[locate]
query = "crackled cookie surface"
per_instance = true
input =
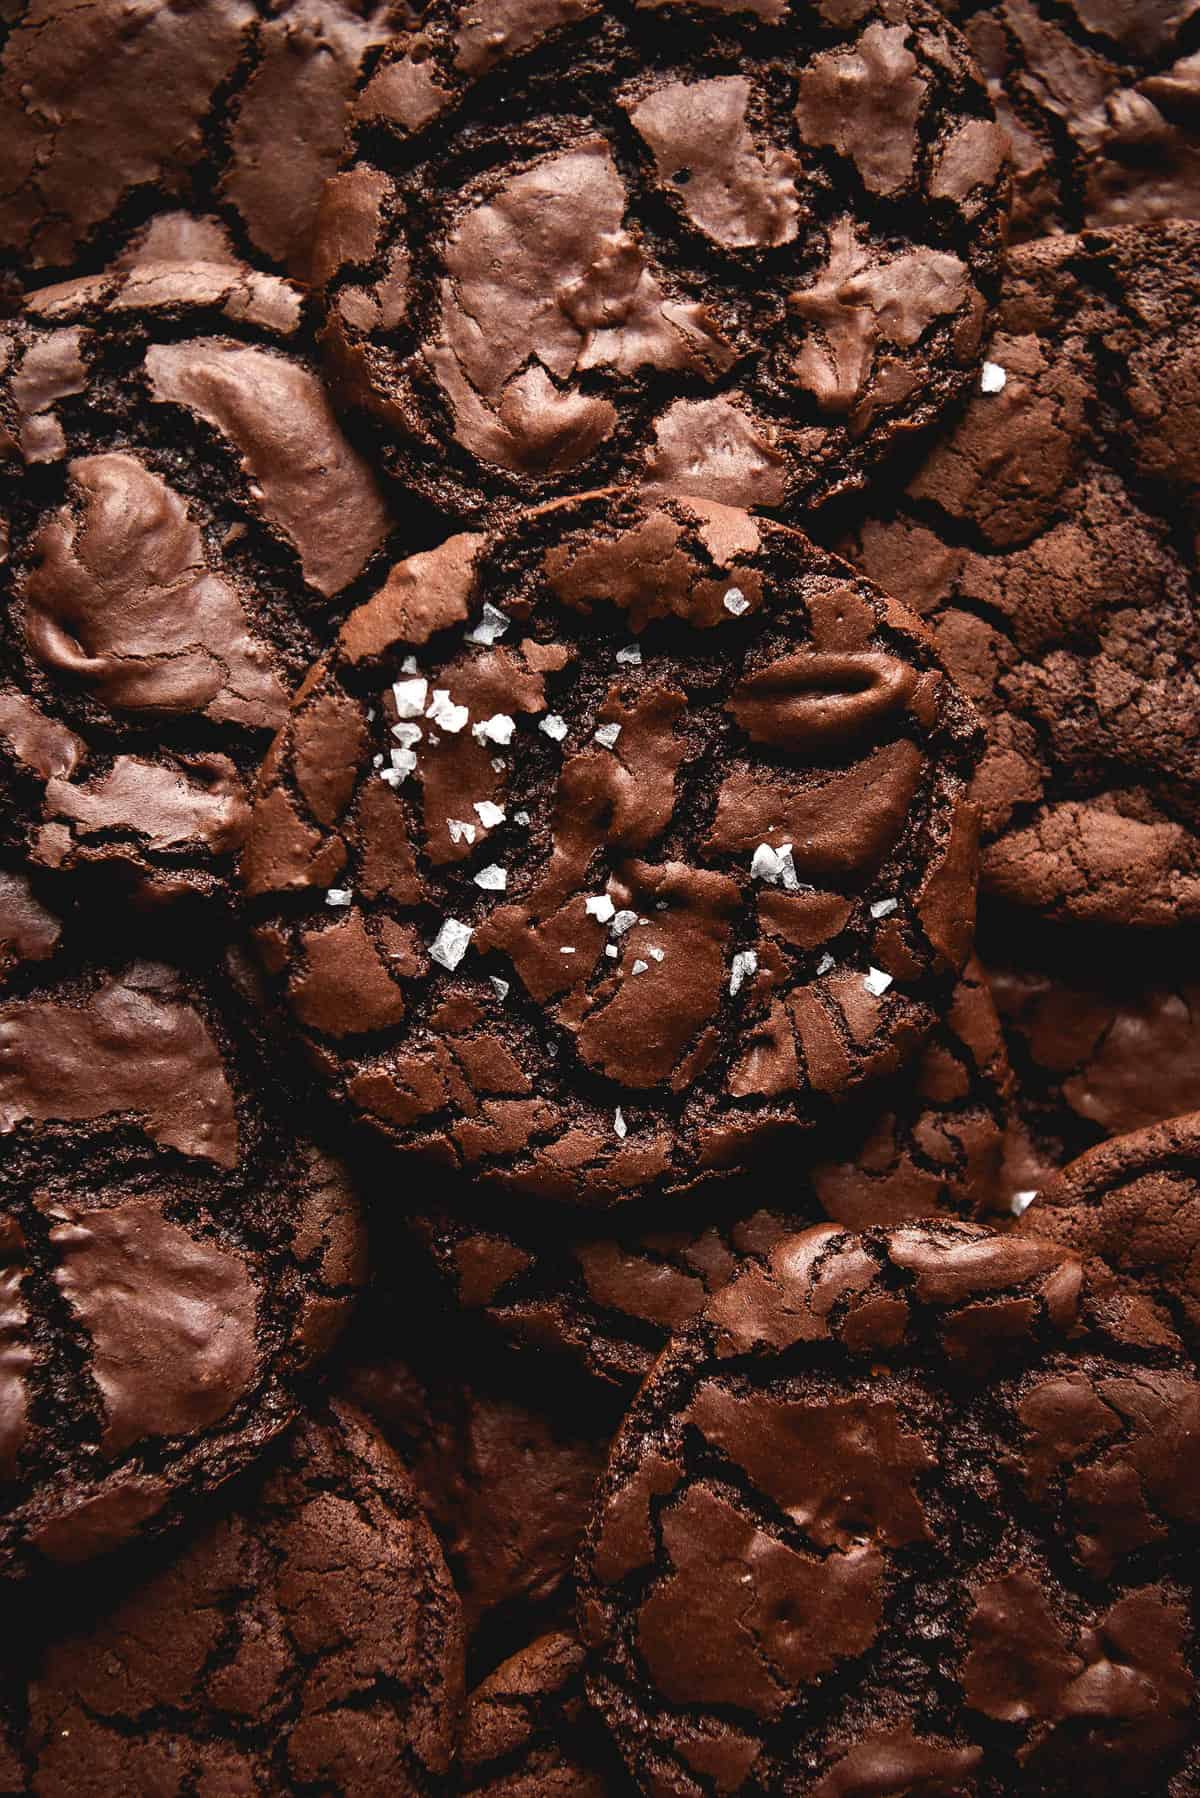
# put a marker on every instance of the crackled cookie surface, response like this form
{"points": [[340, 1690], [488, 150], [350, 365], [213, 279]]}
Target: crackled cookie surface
{"points": [[606, 849], [726, 248], [611, 1294], [528, 1731], [308, 1639], [174, 1256], [1044, 541], [902, 1513], [108, 112], [182, 509]]}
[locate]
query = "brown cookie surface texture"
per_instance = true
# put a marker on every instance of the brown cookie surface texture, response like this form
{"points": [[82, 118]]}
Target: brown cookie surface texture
{"points": [[902, 1513], [731, 247], [607, 849]]}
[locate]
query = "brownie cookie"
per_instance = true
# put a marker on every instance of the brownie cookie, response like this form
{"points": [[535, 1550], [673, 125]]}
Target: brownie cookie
{"points": [[1131, 1209], [902, 1513], [607, 849], [174, 1257], [183, 512], [1045, 540], [729, 246], [307, 1639], [932, 1141], [1101, 99], [528, 1731], [108, 112]]}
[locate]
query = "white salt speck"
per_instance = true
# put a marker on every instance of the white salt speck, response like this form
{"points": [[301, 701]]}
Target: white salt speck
{"points": [[601, 907], [619, 1124], [876, 982], [774, 866], [409, 665], [657, 953], [493, 878], [460, 830], [338, 896], [370, 714], [491, 626], [553, 726], [498, 764], [824, 965], [490, 814], [408, 734], [639, 967], [496, 729], [521, 818], [883, 908], [390, 776], [450, 944], [377, 761], [567, 949], [607, 735], [660, 905], [410, 697], [745, 962], [501, 986], [1021, 1201], [403, 763], [611, 950], [735, 601], [632, 657], [992, 378], [623, 921], [443, 712]]}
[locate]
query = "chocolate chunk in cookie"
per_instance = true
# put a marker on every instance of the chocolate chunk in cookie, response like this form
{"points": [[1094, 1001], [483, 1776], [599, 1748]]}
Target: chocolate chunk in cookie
{"points": [[902, 1512], [183, 511], [611, 848], [1041, 541], [742, 251]]}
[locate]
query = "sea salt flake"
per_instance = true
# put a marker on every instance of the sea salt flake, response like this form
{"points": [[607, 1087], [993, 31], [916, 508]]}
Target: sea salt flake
{"points": [[824, 965], [501, 986], [460, 830], [600, 907], [377, 761], [404, 762], [498, 728], [490, 814], [408, 734], [639, 967], [876, 982], [657, 953], [992, 378], [619, 1124], [606, 735], [883, 908], [411, 697], [775, 867], [567, 949], [493, 878], [391, 777], [491, 626], [498, 764], [745, 962], [553, 726], [735, 601], [443, 712], [450, 944], [623, 921], [339, 896], [611, 950], [632, 657], [521, 818], [1021, 1201], [409, 665]]}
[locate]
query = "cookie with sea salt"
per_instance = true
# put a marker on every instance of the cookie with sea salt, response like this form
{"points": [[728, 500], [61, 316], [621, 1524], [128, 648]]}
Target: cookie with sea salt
{"points": [[174, 1256], [904, 1513], [614, 847], [1045, 540], [183, 512], [720, 245], [610, 1293]]}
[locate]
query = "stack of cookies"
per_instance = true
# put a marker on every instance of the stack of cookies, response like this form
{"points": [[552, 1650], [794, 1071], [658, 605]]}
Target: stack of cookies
{"points": [[599, 886]]}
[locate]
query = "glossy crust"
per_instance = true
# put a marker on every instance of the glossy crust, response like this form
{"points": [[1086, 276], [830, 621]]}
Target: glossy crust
{"points": [[1041, 540], [520, 858], [902, 1513], [182, 510], [528, 1731], [741, 250], [175, 1257]]}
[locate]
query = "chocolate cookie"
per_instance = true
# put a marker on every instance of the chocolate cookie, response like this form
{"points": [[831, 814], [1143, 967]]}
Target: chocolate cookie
{"points": [[183, 512], [307, 1639], [932, 1141], [174, 1257], [1100, 99], [1044, 541], [528, 1731], [722, 245], [902, 1514], [108, 111], [615, 846]]}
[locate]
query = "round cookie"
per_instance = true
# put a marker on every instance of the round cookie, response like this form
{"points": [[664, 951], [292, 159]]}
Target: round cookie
{"points": [[899, 1514], [308, 1638], [108, 112], [611, 1296], [175, 1257], [1042, 540], [1099, 98], [528, 1731], [610, 848], [717, 245], [183, 511]]}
